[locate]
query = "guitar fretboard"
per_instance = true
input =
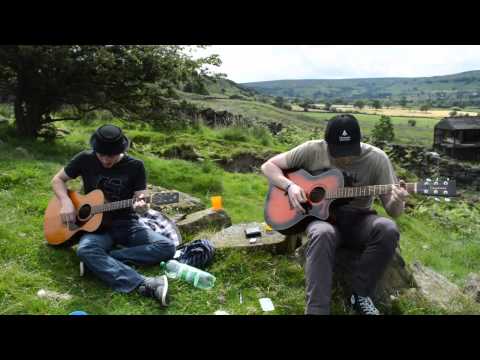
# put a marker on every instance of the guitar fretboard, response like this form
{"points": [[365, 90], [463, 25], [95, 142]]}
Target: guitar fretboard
{"points": [[361, 191], [116, 205]]}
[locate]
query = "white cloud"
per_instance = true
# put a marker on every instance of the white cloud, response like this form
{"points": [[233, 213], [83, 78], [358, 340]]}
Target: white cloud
{"points": [[246, 63]]}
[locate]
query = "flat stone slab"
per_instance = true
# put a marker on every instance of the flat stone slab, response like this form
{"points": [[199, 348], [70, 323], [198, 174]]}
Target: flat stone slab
{"points": [[207, 219], [234, 237]]}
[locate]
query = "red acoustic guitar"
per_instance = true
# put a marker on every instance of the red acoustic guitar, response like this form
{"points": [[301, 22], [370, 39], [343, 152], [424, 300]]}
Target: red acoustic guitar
{"points": [[89, 210], [322, 189]]}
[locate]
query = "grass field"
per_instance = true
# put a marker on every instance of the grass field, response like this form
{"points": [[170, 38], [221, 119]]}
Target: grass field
{"points": [[27, 264], [403, 112]]}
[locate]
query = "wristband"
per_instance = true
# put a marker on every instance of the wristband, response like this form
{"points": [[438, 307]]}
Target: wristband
{"points": [[288, 186]]}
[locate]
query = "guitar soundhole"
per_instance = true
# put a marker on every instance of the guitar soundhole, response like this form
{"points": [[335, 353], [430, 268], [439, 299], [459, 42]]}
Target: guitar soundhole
{"points": [[317, 194], [84, 212]]}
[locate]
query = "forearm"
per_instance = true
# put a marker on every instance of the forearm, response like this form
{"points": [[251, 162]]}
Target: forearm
{"points": [[275, 175], [60, 189]]}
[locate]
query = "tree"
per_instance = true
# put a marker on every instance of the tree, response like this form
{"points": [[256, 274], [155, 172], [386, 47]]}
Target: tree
{"points": [[376, 104], [279, 102], [359, 104], [403, 101], [125, 79], [327, 106], [425, 107], [383, 129]]}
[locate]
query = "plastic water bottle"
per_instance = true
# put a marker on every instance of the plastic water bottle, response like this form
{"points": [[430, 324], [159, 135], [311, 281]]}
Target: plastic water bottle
{"points": [[198, 278]]}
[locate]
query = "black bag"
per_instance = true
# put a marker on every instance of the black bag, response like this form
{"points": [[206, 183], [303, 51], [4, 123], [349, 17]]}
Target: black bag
{"points": [[198, 253]]}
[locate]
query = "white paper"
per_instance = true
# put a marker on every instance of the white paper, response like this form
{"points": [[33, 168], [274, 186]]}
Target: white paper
{"points": [[266, 304]]}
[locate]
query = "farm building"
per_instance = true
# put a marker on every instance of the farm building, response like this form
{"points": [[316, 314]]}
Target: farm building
{"points": [[458, 137]]}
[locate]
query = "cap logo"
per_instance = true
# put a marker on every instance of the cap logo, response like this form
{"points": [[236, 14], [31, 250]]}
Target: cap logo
{"points": [[344, 137]]}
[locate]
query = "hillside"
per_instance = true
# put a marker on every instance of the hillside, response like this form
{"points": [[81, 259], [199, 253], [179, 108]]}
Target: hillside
{"points": [[28, 264], [450, 90]]}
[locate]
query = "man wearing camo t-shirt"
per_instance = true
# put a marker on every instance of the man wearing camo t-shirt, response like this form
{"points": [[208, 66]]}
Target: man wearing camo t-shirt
{"points": [[356, 225]]}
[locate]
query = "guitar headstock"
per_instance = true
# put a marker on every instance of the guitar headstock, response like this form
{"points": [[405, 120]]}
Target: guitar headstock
{"points": [[437, 187], [163, 198]]}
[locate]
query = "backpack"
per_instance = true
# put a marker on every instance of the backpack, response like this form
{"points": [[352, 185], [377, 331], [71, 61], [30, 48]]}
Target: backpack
{"points": [[197, 253]]}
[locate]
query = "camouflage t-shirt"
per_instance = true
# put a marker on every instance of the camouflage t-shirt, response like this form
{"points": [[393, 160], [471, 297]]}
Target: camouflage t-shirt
{"points": [[372, 167]]}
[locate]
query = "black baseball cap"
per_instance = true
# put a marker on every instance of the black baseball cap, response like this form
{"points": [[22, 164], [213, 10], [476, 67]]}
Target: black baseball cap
{"points": [[109, 140], [343, 136]]}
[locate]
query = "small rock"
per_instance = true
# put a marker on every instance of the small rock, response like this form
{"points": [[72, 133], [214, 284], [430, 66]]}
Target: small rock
{"points": [[53, 295], [22, 151], [221, 298], [221, 312], [472, 286]]}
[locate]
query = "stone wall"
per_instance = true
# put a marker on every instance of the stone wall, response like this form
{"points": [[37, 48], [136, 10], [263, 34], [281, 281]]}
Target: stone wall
{"points": [[425, 163]]}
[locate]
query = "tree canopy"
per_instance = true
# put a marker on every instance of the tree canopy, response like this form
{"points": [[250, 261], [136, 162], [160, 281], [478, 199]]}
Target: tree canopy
{"points": [[125, 79]]}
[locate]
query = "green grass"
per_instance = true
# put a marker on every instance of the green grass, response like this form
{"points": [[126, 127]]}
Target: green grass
{"points": [[420, 134], [27, 264]]}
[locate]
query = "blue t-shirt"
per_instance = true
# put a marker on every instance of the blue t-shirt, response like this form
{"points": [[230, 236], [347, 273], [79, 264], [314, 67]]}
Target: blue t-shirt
{"points": [[119, 182]]}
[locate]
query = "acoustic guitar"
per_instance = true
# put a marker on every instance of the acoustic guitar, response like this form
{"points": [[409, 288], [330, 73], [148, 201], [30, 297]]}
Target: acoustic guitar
{"points": [[323, 189], [89, 213]]}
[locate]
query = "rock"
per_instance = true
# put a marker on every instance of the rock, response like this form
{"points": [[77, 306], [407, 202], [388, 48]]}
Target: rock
{"points": [[187, 204], [182, 151], [221, 312], [22, 151], [234, 237], [243, 162], [472, 286], [437, 289], [397, 276], [53, 295], [208, 219]]}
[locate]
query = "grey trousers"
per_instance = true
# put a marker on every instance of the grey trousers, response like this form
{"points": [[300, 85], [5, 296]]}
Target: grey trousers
{"points": [[376, 237]]}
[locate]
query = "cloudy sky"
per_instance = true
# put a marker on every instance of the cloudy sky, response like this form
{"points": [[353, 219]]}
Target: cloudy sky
{"points": [[247, 63]]}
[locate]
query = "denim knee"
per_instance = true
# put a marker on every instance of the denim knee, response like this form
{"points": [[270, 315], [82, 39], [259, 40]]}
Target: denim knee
{"points": [[87, 246]]}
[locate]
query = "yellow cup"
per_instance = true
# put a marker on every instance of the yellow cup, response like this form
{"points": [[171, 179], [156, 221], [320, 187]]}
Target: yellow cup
{"points": [[216, 202]]}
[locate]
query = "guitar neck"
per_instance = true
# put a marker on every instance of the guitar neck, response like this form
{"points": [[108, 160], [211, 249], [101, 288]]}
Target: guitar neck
{"points": [[117, 205], [371, 190]]}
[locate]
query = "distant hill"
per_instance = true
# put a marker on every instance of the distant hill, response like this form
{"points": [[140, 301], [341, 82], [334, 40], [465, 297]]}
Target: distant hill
{"points": [[461, 89]]}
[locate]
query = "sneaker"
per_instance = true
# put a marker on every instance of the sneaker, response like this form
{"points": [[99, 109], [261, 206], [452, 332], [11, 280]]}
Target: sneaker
{"points": [[157, 288], [363, 305]]}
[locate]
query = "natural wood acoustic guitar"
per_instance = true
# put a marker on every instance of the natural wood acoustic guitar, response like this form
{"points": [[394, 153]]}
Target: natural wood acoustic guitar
{"points": [[89, 213]]}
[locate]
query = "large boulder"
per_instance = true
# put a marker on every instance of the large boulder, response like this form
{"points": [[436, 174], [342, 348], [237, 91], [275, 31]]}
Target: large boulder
{"points": [[437, 289], [397, 276]]}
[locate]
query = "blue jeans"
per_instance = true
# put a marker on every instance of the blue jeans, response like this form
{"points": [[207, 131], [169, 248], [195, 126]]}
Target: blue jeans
{"points": [[142, 246]]}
